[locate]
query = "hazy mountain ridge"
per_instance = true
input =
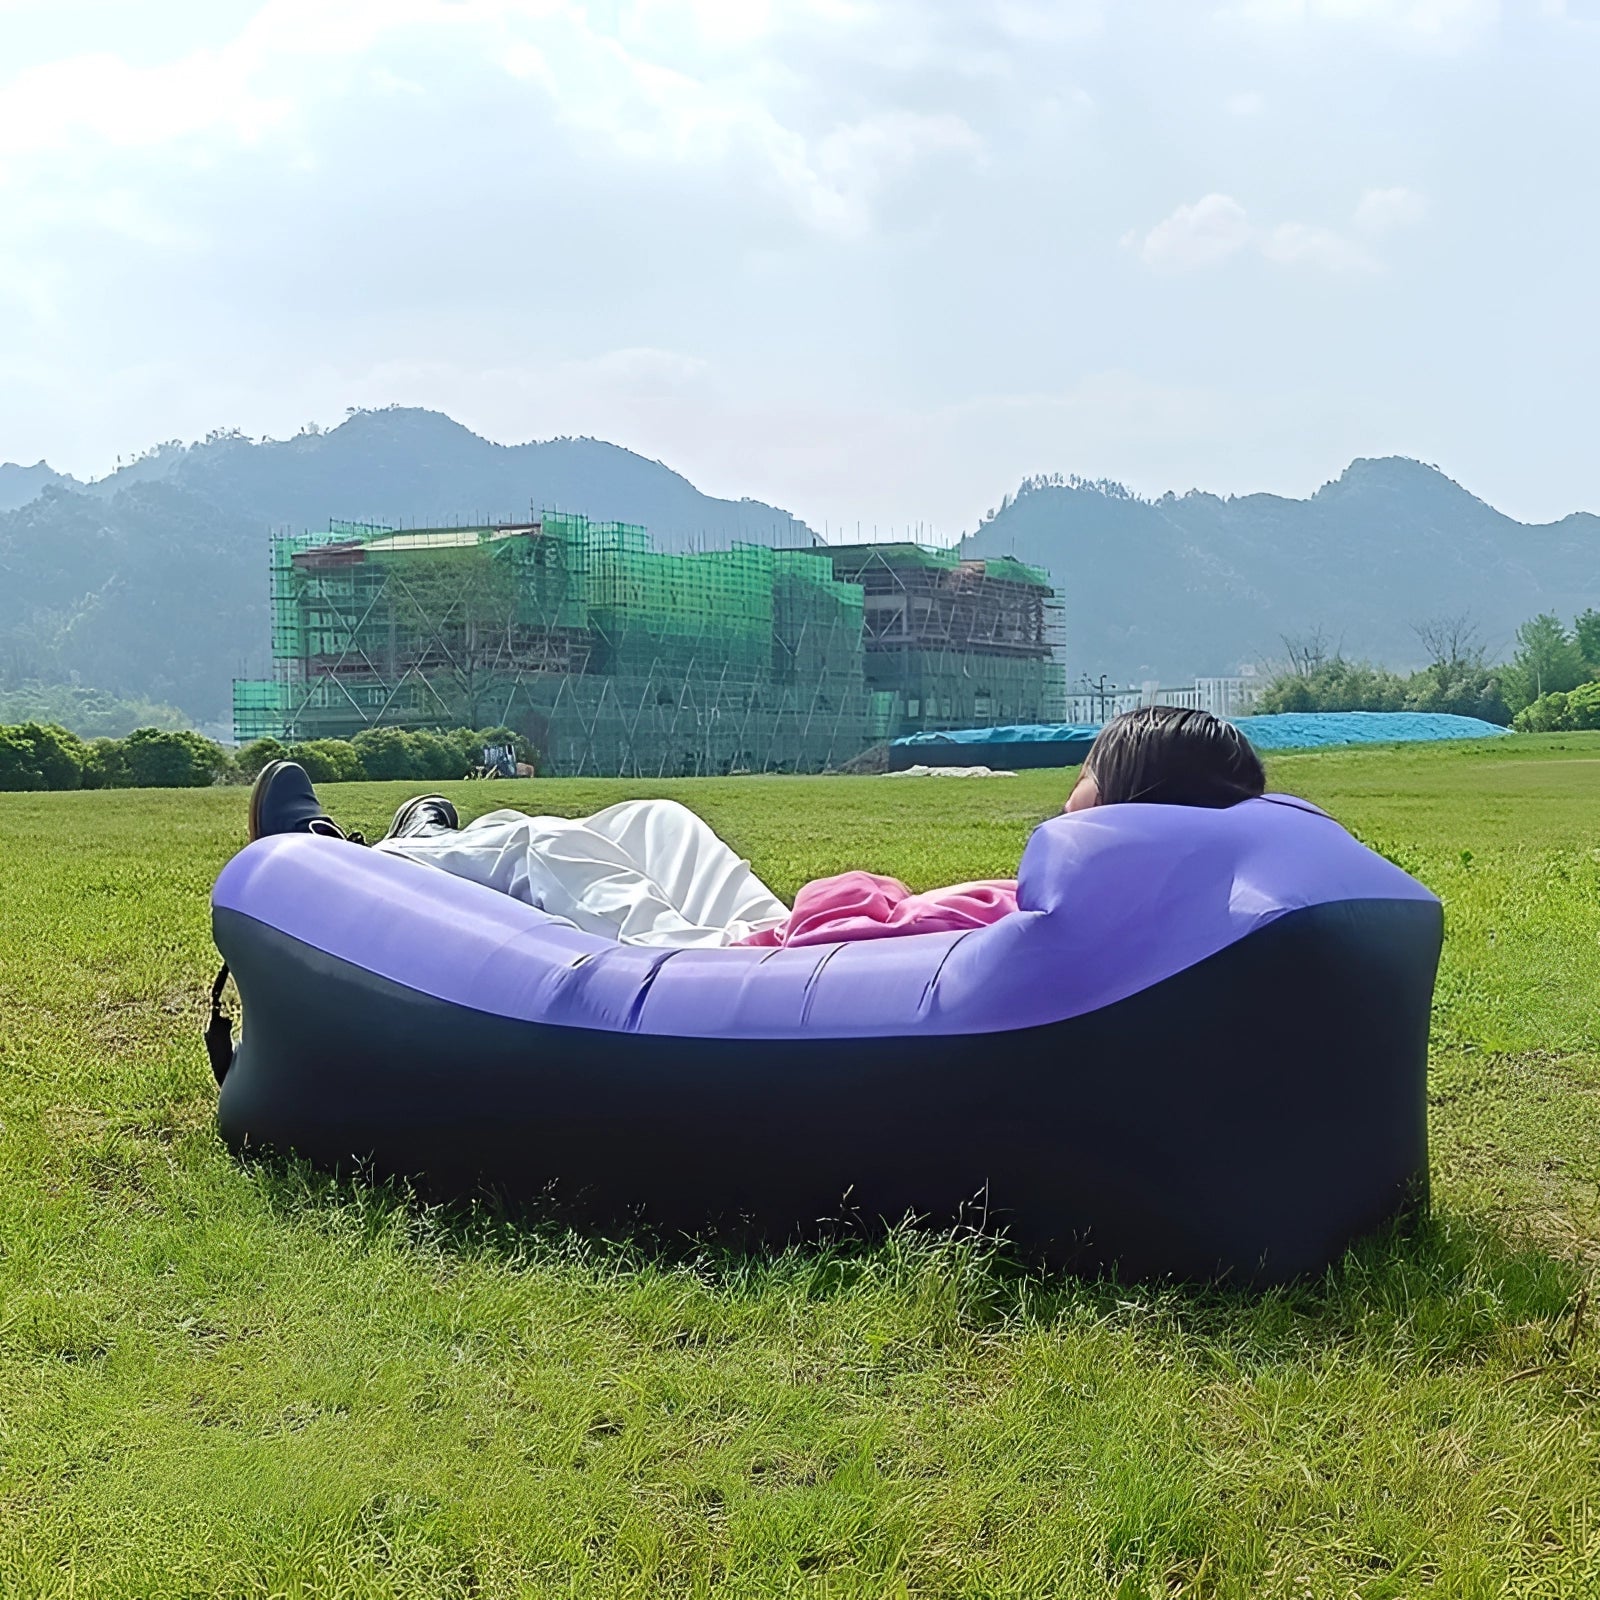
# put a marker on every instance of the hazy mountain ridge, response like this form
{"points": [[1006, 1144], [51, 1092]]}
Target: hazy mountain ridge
{"points": [[153, 593], [153, 581], [1199, 583], [403, 464], [19, 485]]}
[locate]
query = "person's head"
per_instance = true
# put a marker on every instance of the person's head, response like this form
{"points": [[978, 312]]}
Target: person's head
{"points": [[1162, 755]]}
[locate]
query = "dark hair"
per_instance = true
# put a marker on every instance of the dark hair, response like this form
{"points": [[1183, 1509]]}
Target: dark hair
{"points": [[1163, 755]]}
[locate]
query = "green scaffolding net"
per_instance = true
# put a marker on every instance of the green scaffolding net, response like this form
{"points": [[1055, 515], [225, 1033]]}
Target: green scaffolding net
{"points": [[611, 657]]}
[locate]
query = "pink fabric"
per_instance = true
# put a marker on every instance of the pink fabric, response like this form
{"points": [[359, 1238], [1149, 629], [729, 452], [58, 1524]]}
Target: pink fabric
{"points": [[861, 905]]}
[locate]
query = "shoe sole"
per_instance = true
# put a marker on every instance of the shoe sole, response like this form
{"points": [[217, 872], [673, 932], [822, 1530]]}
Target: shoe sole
{"points": [[404, 815]]}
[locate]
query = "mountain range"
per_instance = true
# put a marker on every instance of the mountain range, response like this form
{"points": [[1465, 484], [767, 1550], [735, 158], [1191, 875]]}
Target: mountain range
{"points": [[152, 581], [1201, 584]]}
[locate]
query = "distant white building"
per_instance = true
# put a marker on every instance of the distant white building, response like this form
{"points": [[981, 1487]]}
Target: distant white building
{"points": [[1222, 697]]}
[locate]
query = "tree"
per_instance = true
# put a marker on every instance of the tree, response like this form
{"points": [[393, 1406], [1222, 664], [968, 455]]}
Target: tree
{"points": [[88, 713], [1456, 679], [1586, 635], [1308, 653], [1547, 661], [1451, 642]]}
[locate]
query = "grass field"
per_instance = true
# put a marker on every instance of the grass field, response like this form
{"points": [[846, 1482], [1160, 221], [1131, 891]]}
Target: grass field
{"points": [[231, 1382]]}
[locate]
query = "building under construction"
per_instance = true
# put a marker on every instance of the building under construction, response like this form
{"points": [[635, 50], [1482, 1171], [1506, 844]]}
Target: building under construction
{"points": [[612, 658], [958, 644]]}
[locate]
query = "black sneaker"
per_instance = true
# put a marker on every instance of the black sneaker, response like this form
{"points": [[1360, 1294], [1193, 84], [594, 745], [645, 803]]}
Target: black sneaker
{"points": [[423, 814], [283, 801]]}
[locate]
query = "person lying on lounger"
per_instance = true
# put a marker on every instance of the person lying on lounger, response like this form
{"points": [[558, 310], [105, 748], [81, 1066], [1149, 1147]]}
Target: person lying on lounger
{"points": [[651, 872]]}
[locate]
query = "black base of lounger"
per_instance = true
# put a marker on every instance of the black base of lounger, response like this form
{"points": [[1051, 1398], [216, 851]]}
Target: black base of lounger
{"points": [[1245, 1119]]}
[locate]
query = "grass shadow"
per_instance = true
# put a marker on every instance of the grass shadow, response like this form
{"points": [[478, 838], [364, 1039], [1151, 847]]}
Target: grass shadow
{"points": [[1433, 1288]]}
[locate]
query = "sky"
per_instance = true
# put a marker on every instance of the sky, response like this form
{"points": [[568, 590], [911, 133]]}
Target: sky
{"points": [[872, 260]]}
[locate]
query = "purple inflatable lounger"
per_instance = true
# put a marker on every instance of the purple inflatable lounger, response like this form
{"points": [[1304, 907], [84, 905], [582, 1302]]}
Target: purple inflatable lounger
{"points": [[1198, 1050]]}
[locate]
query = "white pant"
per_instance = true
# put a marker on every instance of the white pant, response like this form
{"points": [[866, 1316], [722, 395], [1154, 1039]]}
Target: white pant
{"points": [[643, 872]]}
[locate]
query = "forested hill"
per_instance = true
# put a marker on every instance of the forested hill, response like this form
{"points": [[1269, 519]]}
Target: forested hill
{"points": [[420, 468], [152, 582], [1196, 583]]}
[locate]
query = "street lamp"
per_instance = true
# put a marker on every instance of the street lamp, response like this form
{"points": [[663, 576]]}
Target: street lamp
{"points": [[1096, 689]]}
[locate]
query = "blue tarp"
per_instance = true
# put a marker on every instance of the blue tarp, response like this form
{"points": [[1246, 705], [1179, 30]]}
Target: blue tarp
{"points": [[1021, 733], [1300, 730], [1297, 730]]}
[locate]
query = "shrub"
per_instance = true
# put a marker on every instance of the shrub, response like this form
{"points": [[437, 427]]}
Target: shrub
{"points": [[41, 755], [1562, 711], [387, 753], [438, 757], [161, 759], [247, 764], [37, 755], [329, 760], [61, 754], [1336, 685], [470, 744], [1544, 715], [1469, 690], [425, 754], [1463, 686], [1583, 706], [105, 765], [18, 768]]}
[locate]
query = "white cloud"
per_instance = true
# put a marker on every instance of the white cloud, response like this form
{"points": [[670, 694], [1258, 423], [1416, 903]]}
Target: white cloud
{"points": [[1217, 228], [1294, 244], [101, 99], [1384, 210], [642, 370], [1446, 24], [1049, 21], [782, 243], [1211, 230], [863, 154], [635, 90]]}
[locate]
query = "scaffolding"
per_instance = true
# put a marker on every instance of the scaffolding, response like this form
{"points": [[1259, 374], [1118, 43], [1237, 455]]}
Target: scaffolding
{"points": [[608, 656], [951, 643], [612, 658]]}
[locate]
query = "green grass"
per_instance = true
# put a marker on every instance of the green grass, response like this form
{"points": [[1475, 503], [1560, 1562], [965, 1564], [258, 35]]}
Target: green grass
{"points": [[236, 1382]]}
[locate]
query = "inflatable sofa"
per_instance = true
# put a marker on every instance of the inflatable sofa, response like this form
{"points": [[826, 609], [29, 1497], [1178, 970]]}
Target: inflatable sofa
{"points": [[1198, 1050]]}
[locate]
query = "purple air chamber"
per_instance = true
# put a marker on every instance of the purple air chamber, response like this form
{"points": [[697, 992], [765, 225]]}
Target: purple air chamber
{"points": [[1197, 1050]]}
